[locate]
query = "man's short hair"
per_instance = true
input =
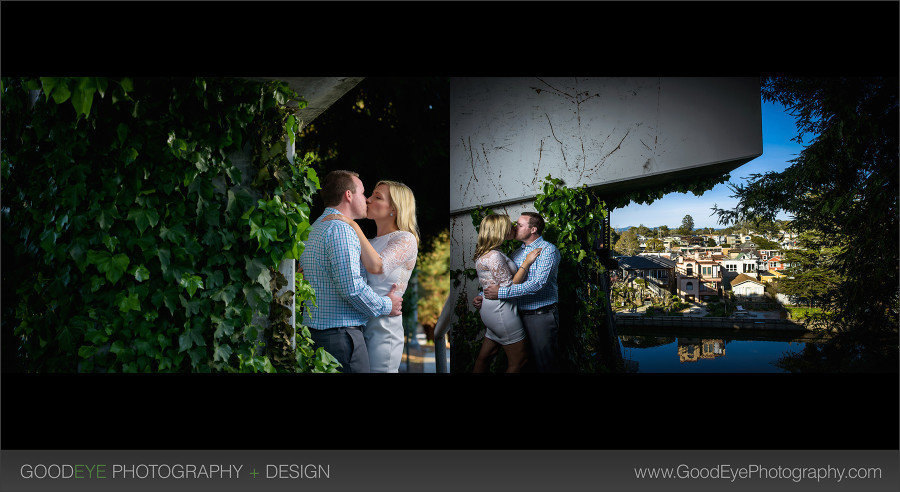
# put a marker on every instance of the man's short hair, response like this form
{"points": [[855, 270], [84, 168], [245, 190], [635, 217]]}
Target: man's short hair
{"points": [[535, 220], [335, 184]]}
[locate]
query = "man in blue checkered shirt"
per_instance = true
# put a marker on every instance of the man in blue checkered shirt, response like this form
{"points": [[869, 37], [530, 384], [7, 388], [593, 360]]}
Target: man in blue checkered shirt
{"points": [[536, 298], [331, 262]]}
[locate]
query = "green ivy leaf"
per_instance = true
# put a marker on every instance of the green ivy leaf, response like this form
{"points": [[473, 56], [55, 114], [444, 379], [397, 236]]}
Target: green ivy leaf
{"points": [[107, 217], [143, 347], [256, 270], [175, 234], [165, 257], [215, 279], [263, 234], [130, 303], [113, 266], [190, 338], [59, 89], [97, 337], [163, 341], [96, 283], [141, 273], [130, 155], [110, 242], [78, 253], [87, 351], [83, 96], [123, 353], [143, 218], [226, 294], [222, 352], [235, 175], [67, 337], [48, 239], [324, 360], [122, 132], [48, 84], [191, 283], [257, 297], [100, 84], [290, 128]]}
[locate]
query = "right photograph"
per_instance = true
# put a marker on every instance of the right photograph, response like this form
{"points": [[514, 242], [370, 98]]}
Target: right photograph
{"points": [[662, 225]]}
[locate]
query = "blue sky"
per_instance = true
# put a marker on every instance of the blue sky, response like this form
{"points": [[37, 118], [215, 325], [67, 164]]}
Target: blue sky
{"points": [[778, 130]]}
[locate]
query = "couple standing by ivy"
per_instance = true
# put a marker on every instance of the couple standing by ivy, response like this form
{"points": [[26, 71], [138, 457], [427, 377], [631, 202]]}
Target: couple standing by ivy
{"points": [[518, 303], [359, 283]]}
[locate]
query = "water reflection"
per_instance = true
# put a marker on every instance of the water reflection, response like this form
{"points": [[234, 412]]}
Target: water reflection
{"points": [[694, 349], [656, 350]]}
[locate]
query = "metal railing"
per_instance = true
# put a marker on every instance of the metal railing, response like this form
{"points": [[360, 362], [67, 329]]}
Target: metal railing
{"points": [[440, 332]]}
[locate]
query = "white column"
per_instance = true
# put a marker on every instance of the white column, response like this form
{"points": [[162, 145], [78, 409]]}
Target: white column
{"points": [[288, 268]]}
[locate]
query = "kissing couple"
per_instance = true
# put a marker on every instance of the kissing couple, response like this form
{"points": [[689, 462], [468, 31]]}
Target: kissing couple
{"points": [[359, 283]]}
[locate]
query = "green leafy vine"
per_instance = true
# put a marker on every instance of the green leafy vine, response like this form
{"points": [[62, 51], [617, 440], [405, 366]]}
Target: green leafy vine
{"points": [[140, 243], [574, 218]]}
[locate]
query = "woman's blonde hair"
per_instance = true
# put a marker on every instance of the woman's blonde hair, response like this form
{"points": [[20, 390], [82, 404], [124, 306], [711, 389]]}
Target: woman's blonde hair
{"points": [[492, 233], [403, 200]]}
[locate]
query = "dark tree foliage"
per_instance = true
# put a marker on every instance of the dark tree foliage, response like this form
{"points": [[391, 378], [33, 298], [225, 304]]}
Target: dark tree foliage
{"points": [[811, 277], [390, 128], [842, 187], [764, 243]]}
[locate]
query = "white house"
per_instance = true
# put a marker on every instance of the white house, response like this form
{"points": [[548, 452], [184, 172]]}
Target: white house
{"points": [[744, 263], [744, 285]]}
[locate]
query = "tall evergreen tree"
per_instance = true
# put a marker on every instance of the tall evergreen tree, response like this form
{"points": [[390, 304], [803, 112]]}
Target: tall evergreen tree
{"points": [[687, 225], [842, 187]]}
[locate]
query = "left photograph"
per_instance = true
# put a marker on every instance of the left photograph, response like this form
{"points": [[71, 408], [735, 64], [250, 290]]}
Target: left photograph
{"points": [[231, 225]]}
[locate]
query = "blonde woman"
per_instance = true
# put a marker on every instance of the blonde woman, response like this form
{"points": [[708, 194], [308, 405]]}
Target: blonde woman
{"points": [[389, 258], [504, 328]]}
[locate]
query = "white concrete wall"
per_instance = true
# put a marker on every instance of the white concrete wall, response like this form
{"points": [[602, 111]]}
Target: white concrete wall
{"points": [[506, 134]]}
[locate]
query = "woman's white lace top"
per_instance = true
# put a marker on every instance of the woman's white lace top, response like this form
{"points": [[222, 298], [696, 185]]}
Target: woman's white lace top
{"points": [[495, 267], [398, 251]]}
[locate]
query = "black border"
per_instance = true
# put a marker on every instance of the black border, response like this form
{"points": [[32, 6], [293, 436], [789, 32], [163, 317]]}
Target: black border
{"points": [[450, 38], [450, 411]]}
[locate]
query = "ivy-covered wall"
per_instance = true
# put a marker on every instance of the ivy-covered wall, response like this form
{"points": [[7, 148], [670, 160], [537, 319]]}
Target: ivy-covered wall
{"points": [[133, 238]]}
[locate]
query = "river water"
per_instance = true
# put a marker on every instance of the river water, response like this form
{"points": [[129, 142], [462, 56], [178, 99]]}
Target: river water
{"points": [[681, 350]]}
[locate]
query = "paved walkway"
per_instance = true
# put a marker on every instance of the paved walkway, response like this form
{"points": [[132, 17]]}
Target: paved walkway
{"points": [[421, 357]]}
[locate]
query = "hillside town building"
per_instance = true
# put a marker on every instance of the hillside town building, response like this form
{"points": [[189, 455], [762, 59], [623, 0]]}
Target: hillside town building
{"points": [[698, 273]]}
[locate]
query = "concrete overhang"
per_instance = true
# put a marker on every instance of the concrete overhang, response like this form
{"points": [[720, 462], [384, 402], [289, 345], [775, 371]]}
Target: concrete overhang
{"points": [[700, 172], [318, 92], [614, 135]]}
